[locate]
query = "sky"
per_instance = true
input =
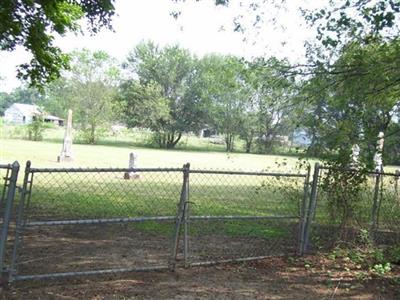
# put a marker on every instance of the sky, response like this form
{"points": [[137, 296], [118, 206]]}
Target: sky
{"points": [[202, 28]]}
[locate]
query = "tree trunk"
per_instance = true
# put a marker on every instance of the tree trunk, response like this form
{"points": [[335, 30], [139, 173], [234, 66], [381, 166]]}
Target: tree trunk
{"points": [[248, 146], [92, 137], [172, 141], [268, 147], [229, 142]]}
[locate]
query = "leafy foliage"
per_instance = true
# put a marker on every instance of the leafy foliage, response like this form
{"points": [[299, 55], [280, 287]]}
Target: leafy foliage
{"points": [[88, 89], [164, 98], [36, 128], [352, 102], [348, 20], [32, 25]]}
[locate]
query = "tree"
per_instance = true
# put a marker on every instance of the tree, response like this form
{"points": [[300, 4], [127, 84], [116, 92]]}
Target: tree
{"points": [[274, 95], [225, 89], [32, 25], [89, 89], [145, 106], [353, 107], [364, 21], [249, 128], [166, 86]]}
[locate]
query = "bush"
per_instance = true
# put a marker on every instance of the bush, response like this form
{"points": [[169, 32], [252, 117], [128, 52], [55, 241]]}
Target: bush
{"points": [[89, 136], [36, 128]]}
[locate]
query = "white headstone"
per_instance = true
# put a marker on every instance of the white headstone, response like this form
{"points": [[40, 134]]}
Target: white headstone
{"points": [[133, 158], [66, 151], [355, 155], [378, 154]]}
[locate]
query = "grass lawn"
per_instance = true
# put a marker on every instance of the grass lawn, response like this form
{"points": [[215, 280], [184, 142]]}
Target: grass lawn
{"points": [[91, 195], [44, 154]]}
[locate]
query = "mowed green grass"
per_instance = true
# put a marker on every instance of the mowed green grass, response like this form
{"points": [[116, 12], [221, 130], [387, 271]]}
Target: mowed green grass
{"points": [[44, 154], [58, 196], [105, 195]]}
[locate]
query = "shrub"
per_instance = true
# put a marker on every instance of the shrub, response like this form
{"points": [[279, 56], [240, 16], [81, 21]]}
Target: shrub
{"points": [[36, 128]]}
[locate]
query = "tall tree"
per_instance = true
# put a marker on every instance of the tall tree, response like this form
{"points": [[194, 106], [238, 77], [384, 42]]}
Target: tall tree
{"points": [[225, 89], [274, 94], [166, 80], [89, 89], [353, 107]]}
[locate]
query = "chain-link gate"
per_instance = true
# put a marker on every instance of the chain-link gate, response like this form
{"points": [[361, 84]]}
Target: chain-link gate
{"points": [[97, 221], [238, 216]]}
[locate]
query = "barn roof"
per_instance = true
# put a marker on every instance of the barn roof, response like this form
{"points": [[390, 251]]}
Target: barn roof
{"points": [[27, 109]]}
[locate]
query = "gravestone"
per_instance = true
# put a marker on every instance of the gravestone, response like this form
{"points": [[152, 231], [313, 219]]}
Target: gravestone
{"points": [[66, 151], [132, 165], [355, 155], [378, 154]]}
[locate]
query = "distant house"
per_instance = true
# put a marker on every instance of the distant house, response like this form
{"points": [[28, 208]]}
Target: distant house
{"points": [[19, 113], [301, 138], [207, 132]]}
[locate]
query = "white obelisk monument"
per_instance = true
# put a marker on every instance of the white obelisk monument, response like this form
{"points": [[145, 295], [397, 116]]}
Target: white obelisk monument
{"points": [[66, 152]]}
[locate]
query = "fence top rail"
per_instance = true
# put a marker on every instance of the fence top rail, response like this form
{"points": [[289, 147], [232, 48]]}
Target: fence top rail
{"points": [[271, 174], [5, 166], [102, 170], [358, 171], [111, 170]]}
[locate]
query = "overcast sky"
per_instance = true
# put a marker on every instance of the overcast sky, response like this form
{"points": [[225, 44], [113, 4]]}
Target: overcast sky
{"points": [[202, 28]]}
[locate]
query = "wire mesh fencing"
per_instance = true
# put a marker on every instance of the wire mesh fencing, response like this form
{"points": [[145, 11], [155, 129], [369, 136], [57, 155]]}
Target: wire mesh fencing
{"points": [[95, 221], [386, 225], [348, 214], [8, 185], [98, 221], [5, 173], [71, 221], [243, 215]]}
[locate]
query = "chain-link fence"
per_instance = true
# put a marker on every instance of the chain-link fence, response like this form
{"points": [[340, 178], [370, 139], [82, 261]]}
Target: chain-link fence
{"points": [[8, 184], [89, 221], [241, 216], [97, 221], [353, 205]]}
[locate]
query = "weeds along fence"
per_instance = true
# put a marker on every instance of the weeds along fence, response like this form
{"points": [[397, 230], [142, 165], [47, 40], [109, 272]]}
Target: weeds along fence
{"points": [[96, 221], [351, 214], [63, 222]]}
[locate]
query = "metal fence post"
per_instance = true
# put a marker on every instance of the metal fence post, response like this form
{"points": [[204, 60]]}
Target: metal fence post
{"points": [[186, 218], [303, 211], [311, 208], [180, 216], [4, 190], [9, 201], [19, 218], [396, 183], [375, 204]]}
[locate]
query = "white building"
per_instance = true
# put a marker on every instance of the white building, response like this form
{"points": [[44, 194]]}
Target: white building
{"points": [[19, 113]]}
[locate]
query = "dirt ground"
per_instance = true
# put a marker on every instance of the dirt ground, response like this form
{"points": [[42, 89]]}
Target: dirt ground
{"points": [[74, 248], [314, 277]]}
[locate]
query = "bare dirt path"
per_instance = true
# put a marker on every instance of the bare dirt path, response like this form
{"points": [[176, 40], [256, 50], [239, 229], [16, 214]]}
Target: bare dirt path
{"points": [[313, 277]]}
